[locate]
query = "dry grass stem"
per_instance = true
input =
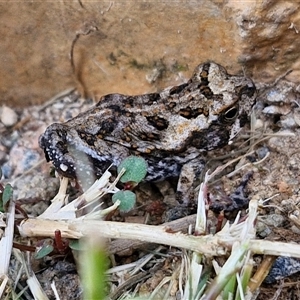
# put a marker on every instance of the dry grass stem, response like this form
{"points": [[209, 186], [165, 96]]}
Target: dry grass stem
{"points": [[32, 281], [60, 209], [147, 233], [7, 239], [6, 243], [209, 245], [261, 273], [120, 245]]}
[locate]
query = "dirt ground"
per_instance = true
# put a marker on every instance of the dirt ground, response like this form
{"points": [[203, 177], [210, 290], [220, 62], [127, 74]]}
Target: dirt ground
{"points": [[275, 182]]}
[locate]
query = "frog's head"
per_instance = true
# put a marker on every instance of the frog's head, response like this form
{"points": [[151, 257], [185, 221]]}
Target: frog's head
{"points": [[55, 146], [231, 97]]}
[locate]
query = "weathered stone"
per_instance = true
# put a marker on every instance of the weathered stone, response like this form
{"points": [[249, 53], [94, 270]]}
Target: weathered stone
{"points": [[137, 46], [8, 116]]}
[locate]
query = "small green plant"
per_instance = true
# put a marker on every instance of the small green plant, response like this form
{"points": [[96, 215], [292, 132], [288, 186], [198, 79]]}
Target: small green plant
{"points": [[58, 245], [135, 171], [6, 193], [127, 199]]}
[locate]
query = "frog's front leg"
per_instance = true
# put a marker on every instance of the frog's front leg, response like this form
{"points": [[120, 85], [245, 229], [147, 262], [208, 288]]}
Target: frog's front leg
{"points": [[185, 194]]}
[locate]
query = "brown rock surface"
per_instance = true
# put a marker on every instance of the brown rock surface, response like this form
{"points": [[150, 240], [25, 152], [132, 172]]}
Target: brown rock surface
{"points": [[135, 46]]}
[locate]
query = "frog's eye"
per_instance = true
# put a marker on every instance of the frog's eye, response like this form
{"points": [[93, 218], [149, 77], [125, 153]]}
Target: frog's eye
{"points": [[231, 113], [248, 90]]}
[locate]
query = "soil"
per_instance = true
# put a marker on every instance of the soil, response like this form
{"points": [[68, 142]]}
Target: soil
{"points": [[274, 165]]}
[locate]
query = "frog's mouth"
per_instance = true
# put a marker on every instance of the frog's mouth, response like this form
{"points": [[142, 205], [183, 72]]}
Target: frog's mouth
{"points": [[55, 146], [66, 159]]}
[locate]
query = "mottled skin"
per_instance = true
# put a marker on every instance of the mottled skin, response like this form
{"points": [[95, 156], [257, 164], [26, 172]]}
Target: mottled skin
{"points": [[170, 129]]}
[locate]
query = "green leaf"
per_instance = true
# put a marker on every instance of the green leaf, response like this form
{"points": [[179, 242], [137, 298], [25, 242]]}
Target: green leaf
{"points": [[45, 249], [127, 199], [136, 169], [7, 194], [76, 245], [0, 173]]}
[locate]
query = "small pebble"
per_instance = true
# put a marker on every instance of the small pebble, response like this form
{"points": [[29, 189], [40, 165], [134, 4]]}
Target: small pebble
{"points": [[277, 110], [262, 152], [8, 116]]}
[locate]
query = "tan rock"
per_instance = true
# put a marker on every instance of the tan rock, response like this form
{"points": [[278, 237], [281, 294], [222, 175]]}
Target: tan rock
{"points": [[8, 116], [138, 46]]}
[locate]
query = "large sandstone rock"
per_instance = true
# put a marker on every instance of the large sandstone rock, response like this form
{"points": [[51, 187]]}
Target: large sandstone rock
{"points": [[139, 46]]}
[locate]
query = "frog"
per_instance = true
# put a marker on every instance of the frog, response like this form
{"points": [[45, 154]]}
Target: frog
{"points": [[172, 129]]}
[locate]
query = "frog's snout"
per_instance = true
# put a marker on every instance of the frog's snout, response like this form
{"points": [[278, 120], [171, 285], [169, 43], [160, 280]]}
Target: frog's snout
{"points": [[54, 143]]}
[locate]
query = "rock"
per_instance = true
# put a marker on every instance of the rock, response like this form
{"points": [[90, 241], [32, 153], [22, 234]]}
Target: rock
{"points": [[8, 116], [136, 47]]}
